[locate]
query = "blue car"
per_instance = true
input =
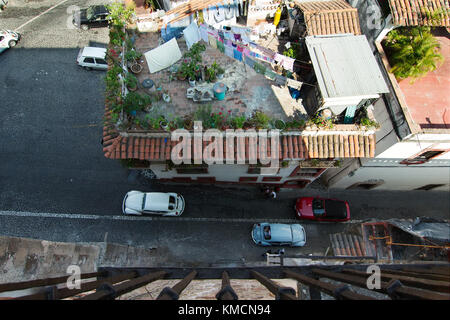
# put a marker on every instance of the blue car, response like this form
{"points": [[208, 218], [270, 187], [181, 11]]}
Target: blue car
{"points": [[277, 234]]}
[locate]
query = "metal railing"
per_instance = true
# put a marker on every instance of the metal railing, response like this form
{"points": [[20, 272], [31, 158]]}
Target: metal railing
{"points": [[343, 282]]}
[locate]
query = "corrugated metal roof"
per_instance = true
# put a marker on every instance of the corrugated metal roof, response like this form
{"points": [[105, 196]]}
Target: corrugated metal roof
{"points": [[345, 66]]}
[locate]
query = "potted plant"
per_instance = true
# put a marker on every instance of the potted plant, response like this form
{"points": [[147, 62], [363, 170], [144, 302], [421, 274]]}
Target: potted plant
{"points": [[191, 77], [280, 124], [131, 82], [165, 96], [220, 72], [188, 124], [164, 124], [210, 74]]}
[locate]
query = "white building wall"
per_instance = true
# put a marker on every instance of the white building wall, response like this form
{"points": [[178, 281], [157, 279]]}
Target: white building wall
{"points": [[399, 178], [386, 168], [226, 173]]}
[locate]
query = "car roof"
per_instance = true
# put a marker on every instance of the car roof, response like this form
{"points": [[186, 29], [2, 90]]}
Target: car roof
{"points": [[95, 52], [280, 232], [157, 201], [99, 9]]}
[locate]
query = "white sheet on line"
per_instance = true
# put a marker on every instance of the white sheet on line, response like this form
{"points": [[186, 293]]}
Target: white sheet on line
{"points": [[191, 34], [163, 56]]}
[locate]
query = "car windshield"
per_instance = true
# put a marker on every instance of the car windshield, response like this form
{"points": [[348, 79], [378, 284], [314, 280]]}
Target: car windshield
{"points": [[318, 207], [90, 13], [172, 202], [143, 201]]}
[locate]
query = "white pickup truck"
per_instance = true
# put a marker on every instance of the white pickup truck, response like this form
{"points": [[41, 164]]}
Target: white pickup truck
{"points": [[8, 39]]}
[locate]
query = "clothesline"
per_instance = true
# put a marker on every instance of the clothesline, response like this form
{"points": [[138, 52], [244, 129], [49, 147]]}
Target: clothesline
{"points": [[222, 40]]}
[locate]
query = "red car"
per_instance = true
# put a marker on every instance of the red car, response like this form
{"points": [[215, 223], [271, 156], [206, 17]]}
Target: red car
{"points": [[320, 209]]}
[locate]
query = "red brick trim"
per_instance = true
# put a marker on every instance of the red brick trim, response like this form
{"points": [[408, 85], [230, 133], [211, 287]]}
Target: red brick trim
{"points": [[180, 179], [206, 179]]}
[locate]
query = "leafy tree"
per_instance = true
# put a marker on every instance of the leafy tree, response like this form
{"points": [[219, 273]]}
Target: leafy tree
{"points": [[413, 52]]}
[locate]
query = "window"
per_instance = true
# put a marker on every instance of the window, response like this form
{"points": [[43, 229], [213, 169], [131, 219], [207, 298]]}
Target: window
{"points": [[1, 38], [172, 202], [143, 201], [366, 185], [266, 232], [272, 179], [89, 60], [100, 61], [423, 157], [318, 207], [256, 168], [430, 187], [306, 172], [248, 179], [191, 168]]}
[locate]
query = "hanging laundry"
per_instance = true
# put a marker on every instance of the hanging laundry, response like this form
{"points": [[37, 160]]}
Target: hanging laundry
{"points": [[227, 35], [270, 74], [229, 51], [204, 33], [191, 34], [237, 36], [220, 46], [212, 41], [240, 48], [246, 52], [248, 61], [286, 62], [237, 55], [259, 68], [229, 43]]}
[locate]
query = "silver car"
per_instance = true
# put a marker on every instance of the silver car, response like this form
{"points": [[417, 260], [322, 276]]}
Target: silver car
{"points": [[278, 234]]}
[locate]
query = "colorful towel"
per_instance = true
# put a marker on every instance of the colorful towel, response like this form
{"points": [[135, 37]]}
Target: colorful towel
{"points": [[220, 46], [237, 55], [248, 61], [229, 51]]}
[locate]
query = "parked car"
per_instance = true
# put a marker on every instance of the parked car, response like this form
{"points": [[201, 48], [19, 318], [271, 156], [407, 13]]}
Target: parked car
{"points": [[320, 209], [159, 203], [91, 17], [8, 39], [278, 234], [92, 58]]}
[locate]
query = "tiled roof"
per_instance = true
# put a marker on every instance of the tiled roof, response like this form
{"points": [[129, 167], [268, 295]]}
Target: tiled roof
{"points": [[330, 17], [292, 147], [415, 12]]}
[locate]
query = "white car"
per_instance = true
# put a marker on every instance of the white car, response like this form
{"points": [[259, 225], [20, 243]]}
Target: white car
{"points": [[160, 203], [92, 58], [8, 39]]}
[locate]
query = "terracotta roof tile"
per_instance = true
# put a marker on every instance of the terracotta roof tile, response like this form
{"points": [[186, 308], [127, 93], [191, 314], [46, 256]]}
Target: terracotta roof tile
{"points": [[295, 147], [330, 17], [419, 12]]}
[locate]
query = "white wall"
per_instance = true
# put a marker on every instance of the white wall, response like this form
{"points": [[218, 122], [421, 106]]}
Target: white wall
{"points": [[386, 166], [227, 173], [399, 178]]}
